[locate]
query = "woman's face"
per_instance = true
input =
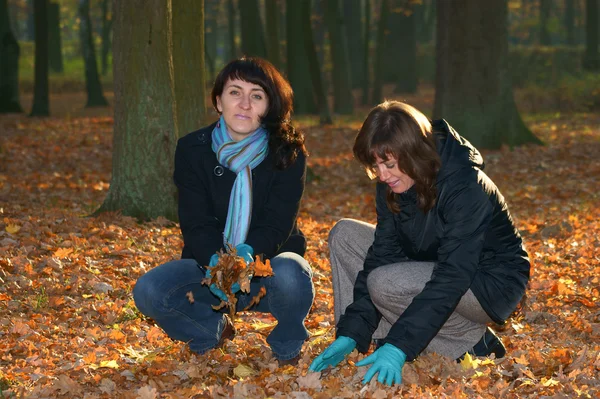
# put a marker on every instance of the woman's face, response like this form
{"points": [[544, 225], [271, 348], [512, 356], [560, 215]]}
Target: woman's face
{"points": [[388, 172], [242, 105]]}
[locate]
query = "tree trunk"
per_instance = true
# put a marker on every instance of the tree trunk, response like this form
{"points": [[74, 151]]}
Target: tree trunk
{"points": [[425, 20], [298, 69], [570, 21], [231, 12], [95, 97], [366, 54], [343, 101], [354, 32], [406, 46], [54, 38], [272, 23], [30, 24], [545, 7], [40, 90], [106, 33], [188, 43], [473, 87], [210, 35], [313, 64], [9, 64], [253, 39], [145, 127], [591, 57], [379, 69]]}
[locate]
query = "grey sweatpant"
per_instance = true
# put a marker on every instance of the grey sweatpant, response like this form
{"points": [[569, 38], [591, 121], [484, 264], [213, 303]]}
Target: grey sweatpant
{"points": [[393, 287]]}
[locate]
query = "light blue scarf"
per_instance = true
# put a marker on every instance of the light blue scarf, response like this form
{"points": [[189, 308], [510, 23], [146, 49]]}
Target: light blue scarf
{"points": [[240, 157]]}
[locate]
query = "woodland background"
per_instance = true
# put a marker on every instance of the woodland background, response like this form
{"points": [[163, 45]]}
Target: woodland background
{"points": [[93, 92]]}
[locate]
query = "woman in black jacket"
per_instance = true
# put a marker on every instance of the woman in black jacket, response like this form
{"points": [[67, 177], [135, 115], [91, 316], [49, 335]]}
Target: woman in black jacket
{"points": [[443, 260], [240, 182]]}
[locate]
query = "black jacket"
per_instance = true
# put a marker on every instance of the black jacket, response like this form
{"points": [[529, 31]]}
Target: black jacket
{"points": [[204, 188], [469, 233]]}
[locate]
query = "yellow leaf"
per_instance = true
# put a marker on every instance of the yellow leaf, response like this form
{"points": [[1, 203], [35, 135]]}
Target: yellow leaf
{"points": [[243, 371], [110, 364], [12, 228], [469, 362]]}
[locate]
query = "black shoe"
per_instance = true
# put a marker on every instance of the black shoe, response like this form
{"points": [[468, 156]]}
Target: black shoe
{"points": [[488, 344], [228, 332]]}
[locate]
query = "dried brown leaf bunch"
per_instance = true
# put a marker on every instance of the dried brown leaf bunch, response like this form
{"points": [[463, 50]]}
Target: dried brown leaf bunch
{"points": [[231, 269]]}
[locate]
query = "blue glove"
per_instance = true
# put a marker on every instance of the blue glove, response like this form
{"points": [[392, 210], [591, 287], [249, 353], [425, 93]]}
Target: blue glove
{"points": [[213, 287], [247, 252], [388, 362], [335, 353]]}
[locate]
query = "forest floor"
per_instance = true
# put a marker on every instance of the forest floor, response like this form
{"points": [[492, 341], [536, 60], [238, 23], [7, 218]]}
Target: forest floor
{"points": [[69, 327]]}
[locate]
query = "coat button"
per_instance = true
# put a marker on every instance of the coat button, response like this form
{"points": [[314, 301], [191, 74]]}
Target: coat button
{"points": [[218, 170], [202, 138]]}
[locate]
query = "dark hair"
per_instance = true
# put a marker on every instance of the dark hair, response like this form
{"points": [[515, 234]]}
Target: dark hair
{"points": [[285, 142], [398, 130]]}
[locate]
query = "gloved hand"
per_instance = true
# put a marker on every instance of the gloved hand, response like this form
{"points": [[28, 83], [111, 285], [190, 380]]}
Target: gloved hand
{"points": [[335, 353], [388, 362], [213, 287], [247, 252]]}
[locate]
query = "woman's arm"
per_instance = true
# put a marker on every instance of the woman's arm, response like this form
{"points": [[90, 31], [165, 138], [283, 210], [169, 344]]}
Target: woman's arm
{"points": [[466, 214], [272, 229], [361, 318], [199, 226]]}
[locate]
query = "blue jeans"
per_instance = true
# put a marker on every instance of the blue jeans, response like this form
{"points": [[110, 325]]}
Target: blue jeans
{"points": [[161, 295]]}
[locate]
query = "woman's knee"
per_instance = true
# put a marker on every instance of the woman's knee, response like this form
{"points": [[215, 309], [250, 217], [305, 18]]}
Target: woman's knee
{"points": [[340, 230], [292, 274]]}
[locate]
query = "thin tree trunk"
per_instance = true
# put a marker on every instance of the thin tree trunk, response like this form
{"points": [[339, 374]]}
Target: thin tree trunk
{"points": [[315, 69], [231, 12], [380, 54], [591, 57], [41, 91], [54, 38], [9, 64], [298, 67], [272, 24], [106, 34], [545, 7], [406, 45], [353, 28], [570, 21], [95, 96], [366, 54], [253, 38], [343, 101]]}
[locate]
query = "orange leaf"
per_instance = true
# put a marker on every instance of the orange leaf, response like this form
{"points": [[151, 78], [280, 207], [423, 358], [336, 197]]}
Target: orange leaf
{"points": [[63, 252]]}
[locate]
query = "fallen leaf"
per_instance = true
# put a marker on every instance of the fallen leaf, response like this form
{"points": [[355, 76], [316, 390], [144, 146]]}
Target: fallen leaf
{"points": [[243, 371]]}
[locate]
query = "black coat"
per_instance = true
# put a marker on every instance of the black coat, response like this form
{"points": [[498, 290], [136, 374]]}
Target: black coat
{"points": [[469, 233], [204, 188]]}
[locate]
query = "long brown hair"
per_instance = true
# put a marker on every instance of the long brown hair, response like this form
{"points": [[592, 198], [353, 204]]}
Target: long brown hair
{"points": [[397, 130], [285, 142]]}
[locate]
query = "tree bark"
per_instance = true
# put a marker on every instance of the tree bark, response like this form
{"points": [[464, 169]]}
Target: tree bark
{"points": [[366, 54], [188, 43], [9, 64], [298, 68], [210, 35], [95, 96], [591, 57], [272, 23], [473, 87], [343, 101], [54, 38], [106, 34], [145, 116], [41, 91], [253, 38], [379, 69], [231, 12], [406, 46], [354, 30], [545, 7]]}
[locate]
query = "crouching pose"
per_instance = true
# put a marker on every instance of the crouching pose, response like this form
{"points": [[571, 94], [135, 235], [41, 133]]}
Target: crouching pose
{"points": [[443, 260], [240, 182]]}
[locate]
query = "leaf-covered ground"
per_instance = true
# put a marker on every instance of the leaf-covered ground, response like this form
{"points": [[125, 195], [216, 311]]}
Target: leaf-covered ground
{"points": [[69, 328]]}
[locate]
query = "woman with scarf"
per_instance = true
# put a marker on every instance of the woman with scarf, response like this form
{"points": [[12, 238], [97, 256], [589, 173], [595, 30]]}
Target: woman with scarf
{"points": [[240, 183], [444, 260]]}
